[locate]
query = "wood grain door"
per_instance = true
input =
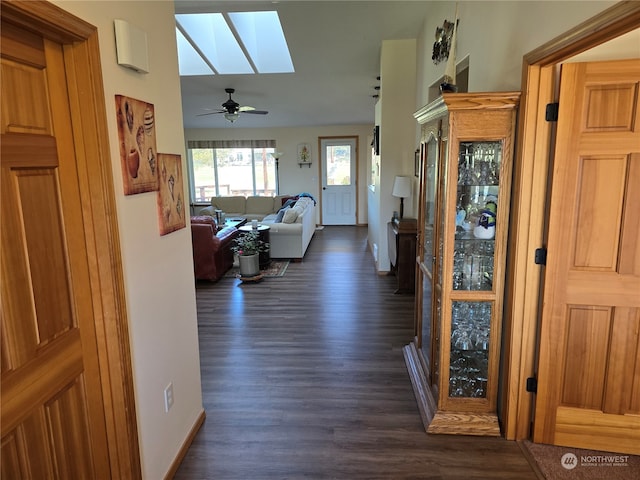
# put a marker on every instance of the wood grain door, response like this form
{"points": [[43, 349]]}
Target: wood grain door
{"points": [[589, 364], [53, 423]]}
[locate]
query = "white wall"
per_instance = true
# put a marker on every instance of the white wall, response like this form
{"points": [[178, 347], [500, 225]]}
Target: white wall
{"points": [[495, 36], [158, 271], [373, 195], [293, 178], [397, 136]]}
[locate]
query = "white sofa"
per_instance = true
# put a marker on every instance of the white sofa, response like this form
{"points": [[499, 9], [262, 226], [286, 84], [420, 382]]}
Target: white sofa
{"points": [[251, 208], [289, 235]]}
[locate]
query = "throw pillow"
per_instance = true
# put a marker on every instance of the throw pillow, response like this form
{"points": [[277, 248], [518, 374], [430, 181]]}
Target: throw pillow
{"points": [[290, 215], [280, 215], [290, 203], [288, 197]]}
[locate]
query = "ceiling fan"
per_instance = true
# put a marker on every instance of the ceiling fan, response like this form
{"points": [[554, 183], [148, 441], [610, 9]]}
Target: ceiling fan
{"points": [[232, 109]]}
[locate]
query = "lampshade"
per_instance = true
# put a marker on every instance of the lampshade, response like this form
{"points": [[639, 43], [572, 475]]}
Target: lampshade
{"points": [[277, 155], [232, 117], [401, 187]]}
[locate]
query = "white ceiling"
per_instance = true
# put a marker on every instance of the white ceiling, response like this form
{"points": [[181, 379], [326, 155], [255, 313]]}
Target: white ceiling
{"points": [[335, 47]]}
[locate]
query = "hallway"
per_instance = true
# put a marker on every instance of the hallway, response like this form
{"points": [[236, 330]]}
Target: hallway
{"points": [[303, 377]]}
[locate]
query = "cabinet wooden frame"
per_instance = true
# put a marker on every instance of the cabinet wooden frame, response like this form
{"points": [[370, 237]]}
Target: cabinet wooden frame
{"points": [[466, 118]]}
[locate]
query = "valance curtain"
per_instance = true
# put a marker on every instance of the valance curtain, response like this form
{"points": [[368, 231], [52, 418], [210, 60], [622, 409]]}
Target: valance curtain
{"points": [[231, 144]]}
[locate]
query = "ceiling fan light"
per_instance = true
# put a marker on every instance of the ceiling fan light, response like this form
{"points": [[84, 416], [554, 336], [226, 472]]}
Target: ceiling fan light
{"points": [[232, 117]]}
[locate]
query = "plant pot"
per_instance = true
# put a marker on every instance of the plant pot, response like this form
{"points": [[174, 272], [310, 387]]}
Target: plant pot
{"points": [[249, 265]]}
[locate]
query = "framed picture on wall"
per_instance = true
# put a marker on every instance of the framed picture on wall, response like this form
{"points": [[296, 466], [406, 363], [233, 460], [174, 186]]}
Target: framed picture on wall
{"points": [[375, 144], [304, 153], [171, 206], [137, 136]]}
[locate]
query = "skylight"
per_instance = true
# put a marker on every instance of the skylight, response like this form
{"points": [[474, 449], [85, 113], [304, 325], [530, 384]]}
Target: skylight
{"points": [[190, 61], [234, 43]]}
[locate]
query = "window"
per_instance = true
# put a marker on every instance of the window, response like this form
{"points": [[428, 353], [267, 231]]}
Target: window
{"points": [[237, 167]]}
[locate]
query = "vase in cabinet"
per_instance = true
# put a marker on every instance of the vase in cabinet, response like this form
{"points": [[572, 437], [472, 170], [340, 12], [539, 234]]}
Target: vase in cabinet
{"points": [[463, 219]]}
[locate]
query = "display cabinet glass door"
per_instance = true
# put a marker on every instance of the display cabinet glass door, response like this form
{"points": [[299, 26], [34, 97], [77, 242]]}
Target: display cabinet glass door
{"points": [[428, 337], [470, 336], [476, 209], [477, 198]]}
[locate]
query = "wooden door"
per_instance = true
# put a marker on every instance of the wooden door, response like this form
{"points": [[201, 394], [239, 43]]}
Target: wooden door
{"points": [[53, 419], [589, 364]]}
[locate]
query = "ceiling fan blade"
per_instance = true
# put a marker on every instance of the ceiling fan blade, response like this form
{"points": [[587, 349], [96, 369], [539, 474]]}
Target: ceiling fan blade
{"points": [[211, 113], [257, 112], [246, 108]]}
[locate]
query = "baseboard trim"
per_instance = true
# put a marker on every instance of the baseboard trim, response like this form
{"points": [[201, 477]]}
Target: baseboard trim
{"points": [[185, 445]]}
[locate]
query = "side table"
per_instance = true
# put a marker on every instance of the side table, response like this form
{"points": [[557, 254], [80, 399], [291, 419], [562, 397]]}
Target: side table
{"points": [[402, 253], [263, 234]]}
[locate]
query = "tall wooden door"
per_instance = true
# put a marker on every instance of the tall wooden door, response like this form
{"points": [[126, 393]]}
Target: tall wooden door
{"points": [[53, 422], [589, 363]]}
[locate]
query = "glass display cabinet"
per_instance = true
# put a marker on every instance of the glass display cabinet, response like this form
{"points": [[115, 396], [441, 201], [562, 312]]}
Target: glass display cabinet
{"points": [[465, 185]]}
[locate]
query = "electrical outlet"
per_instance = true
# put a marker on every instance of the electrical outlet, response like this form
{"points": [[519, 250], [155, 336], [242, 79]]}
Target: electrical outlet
{"points": [[168, 397]]}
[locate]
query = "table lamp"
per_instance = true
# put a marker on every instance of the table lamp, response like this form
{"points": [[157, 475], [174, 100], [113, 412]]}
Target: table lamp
{"points": [[402, 189]]}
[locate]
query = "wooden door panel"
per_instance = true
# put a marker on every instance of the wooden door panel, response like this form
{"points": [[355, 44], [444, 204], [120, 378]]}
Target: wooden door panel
{"points": [[26, 440], [590, 322], [623, 376], [585, 357], [600, 194], [69, 430], [52, 417], [52, 442], [36, 251], [630, 246], [634, 402], [53, 313], [611, 107], [19, 82]]}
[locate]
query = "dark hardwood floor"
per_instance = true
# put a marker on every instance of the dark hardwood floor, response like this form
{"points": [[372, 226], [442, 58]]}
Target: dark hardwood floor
{"points": [[303, 377]]}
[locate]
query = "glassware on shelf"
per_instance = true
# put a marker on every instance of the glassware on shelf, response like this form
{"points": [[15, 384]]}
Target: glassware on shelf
{"points": [[479, 163], [469, 360], [473, 264], [464, 164]]}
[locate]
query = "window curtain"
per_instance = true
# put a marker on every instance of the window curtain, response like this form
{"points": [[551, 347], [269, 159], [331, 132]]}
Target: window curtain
{"points": [[231, 144]]}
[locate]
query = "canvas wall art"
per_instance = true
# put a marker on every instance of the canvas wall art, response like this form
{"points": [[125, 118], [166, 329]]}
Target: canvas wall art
{"points": [[171, 206], [137, 137], [304, 153]]}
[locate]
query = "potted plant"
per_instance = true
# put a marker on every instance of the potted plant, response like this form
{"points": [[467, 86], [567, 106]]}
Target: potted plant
{"points": [[248, 246]]}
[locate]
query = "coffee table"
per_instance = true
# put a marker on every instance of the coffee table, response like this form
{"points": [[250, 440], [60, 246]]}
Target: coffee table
{"points": [[235, 222]]}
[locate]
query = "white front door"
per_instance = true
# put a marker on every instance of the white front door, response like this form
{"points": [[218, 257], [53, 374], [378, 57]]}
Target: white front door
{"points": [[338, 158]]}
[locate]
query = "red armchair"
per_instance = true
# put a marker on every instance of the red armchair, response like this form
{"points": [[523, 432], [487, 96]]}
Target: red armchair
{"points": [[212, 255]]}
